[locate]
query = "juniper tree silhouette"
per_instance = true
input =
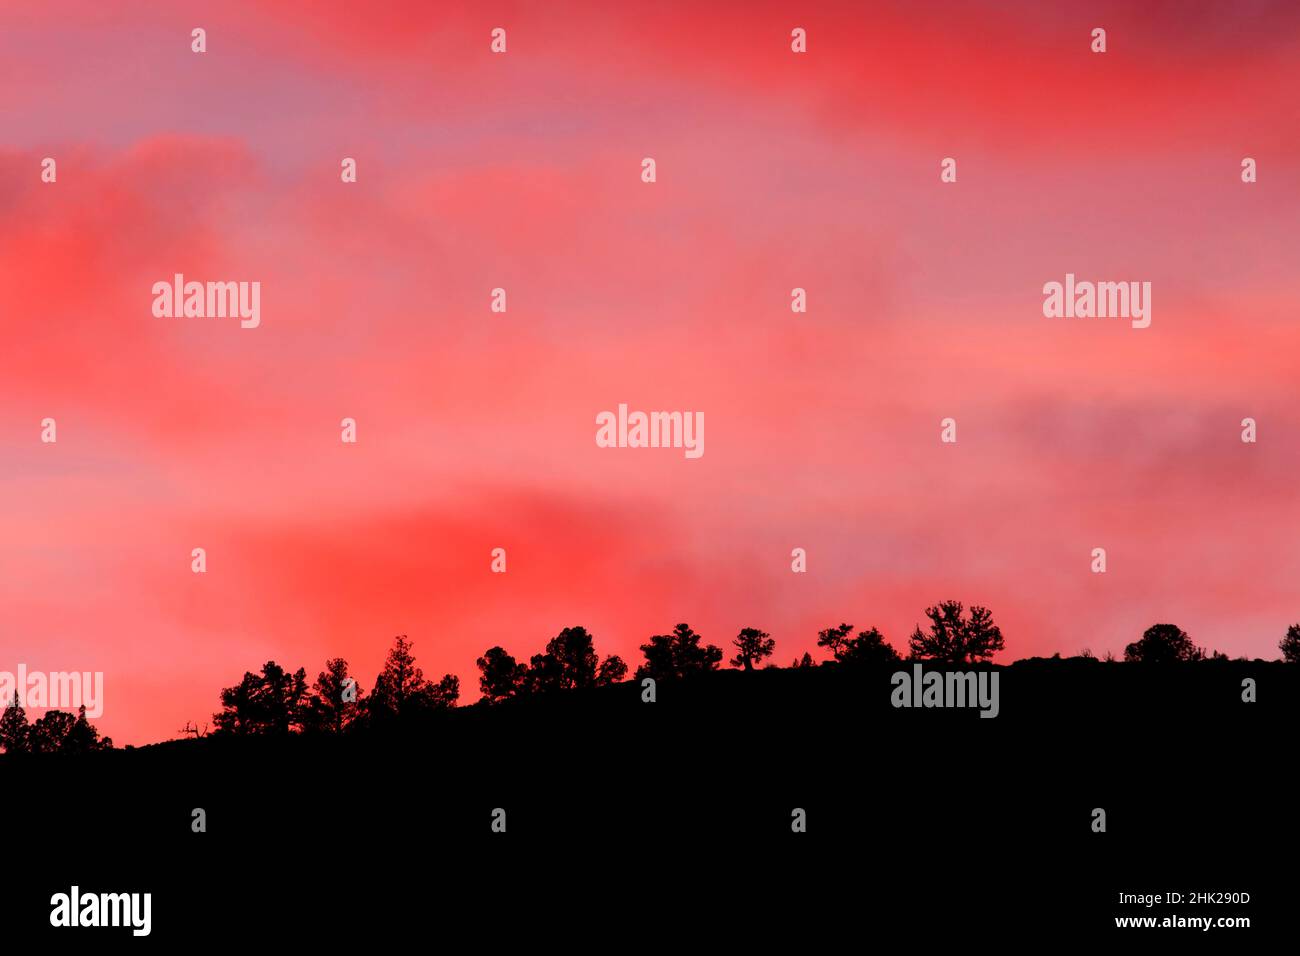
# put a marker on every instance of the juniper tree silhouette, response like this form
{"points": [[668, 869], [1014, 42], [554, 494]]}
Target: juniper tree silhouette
{"points": [[954, 639], [1162, 644], [612, 670], [752, 645], [868, 648], [570, 662], [14, 729], [49, 732], [676, 655], [268, 703], [55, 732], [834, 638], [1290, 645], [805, 661], [500, 675], [335, 704], [401, 690], [82, 737]]}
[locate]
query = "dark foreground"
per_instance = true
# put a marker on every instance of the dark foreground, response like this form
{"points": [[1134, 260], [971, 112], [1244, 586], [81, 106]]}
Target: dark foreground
{"points": [[657, 825]]}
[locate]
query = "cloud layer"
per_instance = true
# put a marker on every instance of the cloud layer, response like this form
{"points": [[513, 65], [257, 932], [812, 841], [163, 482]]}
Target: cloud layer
{"points": [[476, 429]]}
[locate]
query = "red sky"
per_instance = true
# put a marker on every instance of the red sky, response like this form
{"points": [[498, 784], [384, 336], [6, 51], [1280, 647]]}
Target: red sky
{"points": [[476, 430]]}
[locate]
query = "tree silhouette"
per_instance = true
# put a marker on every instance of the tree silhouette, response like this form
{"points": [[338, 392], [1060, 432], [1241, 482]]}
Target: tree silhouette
{"points": [[570, 662], [49, 732], [82, 736], [954, 639], [236, 716], [327, 710], [805, 661], [612, 670], [268, 703], [835, 639], [679, 654], [401, 690], [752, 645], [283, 696], [1161, 644], [500, 675], [1290, 645], [14, 730], [444, 694], [868, 648]]}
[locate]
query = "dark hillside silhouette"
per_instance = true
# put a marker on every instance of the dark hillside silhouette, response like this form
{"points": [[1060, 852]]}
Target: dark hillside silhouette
{"points": [[598, 780], [590, 776]]}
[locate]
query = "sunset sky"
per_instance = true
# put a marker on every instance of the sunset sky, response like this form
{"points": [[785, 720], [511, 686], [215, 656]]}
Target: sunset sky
{"points": [[476, 430]]}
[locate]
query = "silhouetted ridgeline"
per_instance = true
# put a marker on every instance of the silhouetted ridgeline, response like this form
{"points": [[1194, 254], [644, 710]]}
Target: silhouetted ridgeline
{"points": [[607, 798], [566, 784], [276, 702]]}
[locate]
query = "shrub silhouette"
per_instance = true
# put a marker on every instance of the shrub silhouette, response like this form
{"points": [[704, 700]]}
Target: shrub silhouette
{"points": [[954, 639], [1161, 644], [752, 645]]}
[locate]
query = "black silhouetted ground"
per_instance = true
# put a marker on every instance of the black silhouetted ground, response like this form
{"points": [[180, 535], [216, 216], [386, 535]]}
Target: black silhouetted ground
{"points": [[660, 822]]}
